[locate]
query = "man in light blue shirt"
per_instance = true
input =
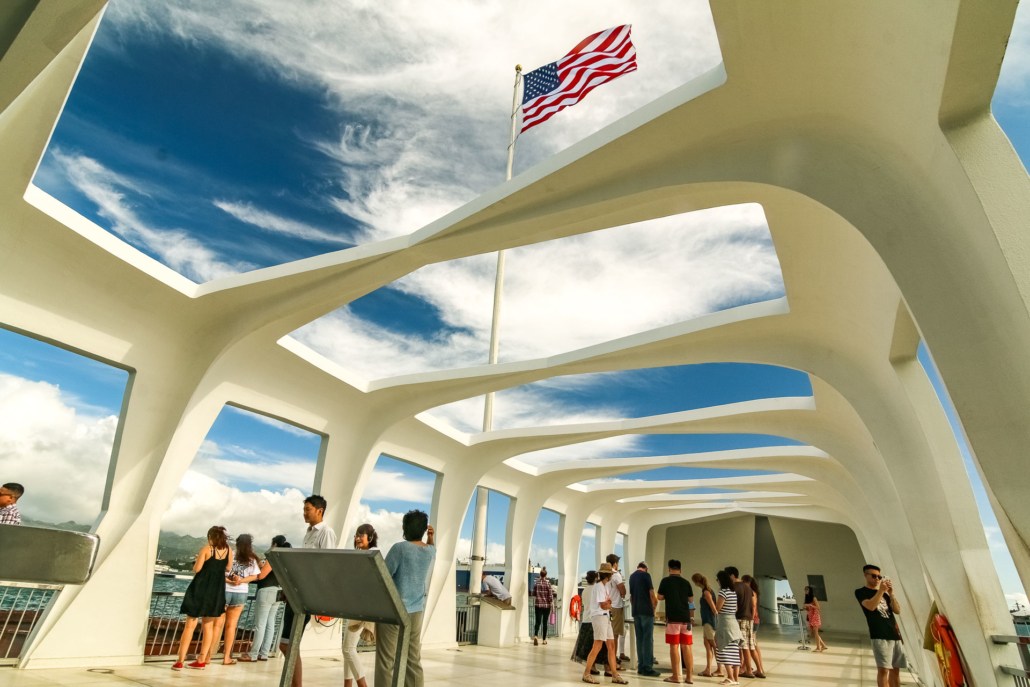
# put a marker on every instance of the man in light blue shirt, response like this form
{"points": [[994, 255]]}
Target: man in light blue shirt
{"points": [[410, 563]]}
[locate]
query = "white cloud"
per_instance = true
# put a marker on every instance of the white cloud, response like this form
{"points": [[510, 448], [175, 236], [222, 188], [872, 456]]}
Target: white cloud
{"points": [[202, 501], [495, 552], [276, 224], [174, 247], [60, 455], [1018, 600], [560, 296], [388, 485], [425, 89], [602, 448]]}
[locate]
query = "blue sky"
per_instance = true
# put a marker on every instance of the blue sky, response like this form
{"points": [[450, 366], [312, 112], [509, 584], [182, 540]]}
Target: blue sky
{"points": [[216, 153]]}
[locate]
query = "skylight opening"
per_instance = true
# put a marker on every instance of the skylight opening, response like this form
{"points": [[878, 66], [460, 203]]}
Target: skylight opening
{"points": [[625, 394], [218, 141], [644, 446], [559, 296]]}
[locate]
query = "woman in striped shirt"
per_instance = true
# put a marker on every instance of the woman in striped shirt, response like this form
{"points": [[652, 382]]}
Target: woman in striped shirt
{"points": [[727, 634]]}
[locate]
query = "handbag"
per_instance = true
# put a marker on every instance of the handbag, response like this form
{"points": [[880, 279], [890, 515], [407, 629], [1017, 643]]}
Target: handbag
{"points": [[367, 630]]}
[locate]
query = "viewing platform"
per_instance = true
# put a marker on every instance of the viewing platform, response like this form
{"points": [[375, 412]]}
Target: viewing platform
{"points": [[848, 663]]}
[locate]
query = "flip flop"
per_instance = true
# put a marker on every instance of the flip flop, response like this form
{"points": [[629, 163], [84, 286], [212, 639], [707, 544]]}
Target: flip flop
{"points": [[672, 680], [590, 680], [619, 680], [230, 662]]}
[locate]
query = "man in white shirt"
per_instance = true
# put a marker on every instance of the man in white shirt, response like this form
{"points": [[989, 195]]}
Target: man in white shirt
{"points": [[493, 587], [617, 590], [318, 536]]}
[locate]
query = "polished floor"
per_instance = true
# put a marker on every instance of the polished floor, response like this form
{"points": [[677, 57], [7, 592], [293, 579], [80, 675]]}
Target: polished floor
{"points": [[847, 663]]}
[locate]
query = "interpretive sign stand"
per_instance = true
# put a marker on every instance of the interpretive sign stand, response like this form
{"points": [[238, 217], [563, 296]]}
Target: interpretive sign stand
{"points": [[40, 555], [340, 584]]}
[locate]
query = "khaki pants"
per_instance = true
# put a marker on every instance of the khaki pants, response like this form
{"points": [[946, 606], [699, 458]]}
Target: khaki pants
{"points": [[618, 621], [387, 637]]}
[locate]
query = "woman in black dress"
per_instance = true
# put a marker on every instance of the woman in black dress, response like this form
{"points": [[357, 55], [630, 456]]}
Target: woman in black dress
{"points": [[205, 597]]}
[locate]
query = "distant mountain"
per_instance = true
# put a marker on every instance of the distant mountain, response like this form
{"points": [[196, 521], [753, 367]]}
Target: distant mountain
{"points": [[178, 550], [73, 526]]}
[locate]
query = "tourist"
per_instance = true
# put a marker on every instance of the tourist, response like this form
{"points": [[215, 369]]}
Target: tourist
{"points": [[204, 599], [727, 630], [815, 618], [755, 654], [600, 620], [880, 606], [491, 586], [318, 536], [678, 594], [242, 572], [644, 600], [708, 613], [266, 607], [745, 617], [410, 563], [543, 601], [9, 495], [585, 639], [617, 589], [365, 539]]}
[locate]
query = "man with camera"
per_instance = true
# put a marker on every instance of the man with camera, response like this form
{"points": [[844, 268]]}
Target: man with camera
{"points": [[880, 606]]}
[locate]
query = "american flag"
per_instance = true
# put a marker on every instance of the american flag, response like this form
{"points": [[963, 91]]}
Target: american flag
{"points": [[596, 60]]}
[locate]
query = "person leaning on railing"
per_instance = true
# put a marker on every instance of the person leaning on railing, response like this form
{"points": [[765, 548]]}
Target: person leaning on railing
{"points": [[266, 607]]}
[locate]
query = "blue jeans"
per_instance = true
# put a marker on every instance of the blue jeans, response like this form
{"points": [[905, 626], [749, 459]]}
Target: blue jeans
{"points": [[265, 611], [643, 628]]}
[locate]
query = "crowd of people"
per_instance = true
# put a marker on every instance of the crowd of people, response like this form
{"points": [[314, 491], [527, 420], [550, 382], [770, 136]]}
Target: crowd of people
{"points": [[729, 622], [729, 616], [218, 592]]}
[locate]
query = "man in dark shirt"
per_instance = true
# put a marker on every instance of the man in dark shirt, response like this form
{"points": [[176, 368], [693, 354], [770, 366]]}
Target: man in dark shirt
{"points": [[678, 595], [644, 600], [880, 606]]}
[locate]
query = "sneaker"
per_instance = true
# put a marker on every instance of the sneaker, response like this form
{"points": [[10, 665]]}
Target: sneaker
{"points": [[649, 673], [177, 665], [196, 665]]}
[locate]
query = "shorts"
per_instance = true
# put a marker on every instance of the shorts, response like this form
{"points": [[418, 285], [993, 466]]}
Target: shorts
{"points": [[747, 634], [235, 598], [602, 626], [889, 653], [288, 624], [619, 621], [709, 632], [678, 633]]}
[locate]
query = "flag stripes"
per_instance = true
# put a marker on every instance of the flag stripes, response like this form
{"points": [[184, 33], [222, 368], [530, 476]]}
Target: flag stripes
{"points": [[597, 59]]}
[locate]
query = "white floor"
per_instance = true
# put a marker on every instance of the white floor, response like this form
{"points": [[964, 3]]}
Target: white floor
{"points": [[847, 663]]}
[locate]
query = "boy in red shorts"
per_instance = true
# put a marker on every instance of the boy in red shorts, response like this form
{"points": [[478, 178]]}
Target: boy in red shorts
{"points": [[678, 595]]}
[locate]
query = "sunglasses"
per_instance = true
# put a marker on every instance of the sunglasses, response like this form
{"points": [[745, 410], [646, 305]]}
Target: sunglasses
{"points": [[875, 576]]}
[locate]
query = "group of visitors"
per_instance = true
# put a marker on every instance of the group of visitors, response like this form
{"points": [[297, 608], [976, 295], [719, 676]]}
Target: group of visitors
{"points": [[216, 596], [728, 618]]}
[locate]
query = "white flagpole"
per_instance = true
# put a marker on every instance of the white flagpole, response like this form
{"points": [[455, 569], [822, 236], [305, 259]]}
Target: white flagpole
{"points": [[495, 344], [478, 557]]}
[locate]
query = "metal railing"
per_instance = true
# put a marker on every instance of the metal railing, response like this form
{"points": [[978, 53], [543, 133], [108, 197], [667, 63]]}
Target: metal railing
{"points": [[552, 628], [1020, 676], [22, 606], [165, 626], [467, 620]]}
